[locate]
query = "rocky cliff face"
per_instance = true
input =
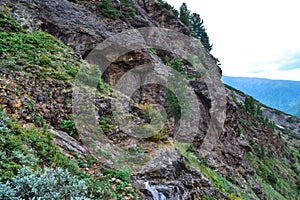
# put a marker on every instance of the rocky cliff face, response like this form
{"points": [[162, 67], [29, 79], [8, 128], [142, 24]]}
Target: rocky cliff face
{"points": [[228, 147]]}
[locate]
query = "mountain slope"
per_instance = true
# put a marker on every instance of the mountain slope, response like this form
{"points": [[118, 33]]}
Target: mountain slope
{"points": [[279, 94], [48, 152]]}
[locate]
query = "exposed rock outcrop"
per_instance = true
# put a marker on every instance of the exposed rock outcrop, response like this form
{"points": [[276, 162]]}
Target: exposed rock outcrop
{"points": [[224, 132]]}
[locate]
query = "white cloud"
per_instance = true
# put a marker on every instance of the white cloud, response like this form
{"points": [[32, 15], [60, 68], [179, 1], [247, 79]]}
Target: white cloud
{"points": [[278, 74], [250, 35]]}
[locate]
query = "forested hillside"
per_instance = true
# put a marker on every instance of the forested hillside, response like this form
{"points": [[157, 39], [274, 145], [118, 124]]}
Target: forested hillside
{"points": [[279, 94]]}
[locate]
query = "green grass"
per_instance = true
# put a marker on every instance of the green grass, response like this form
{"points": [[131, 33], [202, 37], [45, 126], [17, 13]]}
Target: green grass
{"points": [[43, 56], [35, 148], [28, 141], [269, 190], [38, 52], [222, 184], [276, 176]]}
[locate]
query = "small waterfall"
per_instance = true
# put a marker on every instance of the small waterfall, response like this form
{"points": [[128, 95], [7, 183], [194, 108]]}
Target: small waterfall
{"points": [[156, 194]]}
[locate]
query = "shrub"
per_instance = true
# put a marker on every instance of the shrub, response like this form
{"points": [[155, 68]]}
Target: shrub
{"points": [[37, 52], [69, 126], [28, 159], [161, 135], [298, 184], [127, 8], [7, 192], [108, 10], [272, 178], [3, 123], [190, 148], [239, 131], [52, 184], [106, 123]]}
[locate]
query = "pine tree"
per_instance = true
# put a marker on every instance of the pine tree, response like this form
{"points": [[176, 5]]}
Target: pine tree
{"points": [[184, 15], [250, 105], [258, 111], [200, 30]]}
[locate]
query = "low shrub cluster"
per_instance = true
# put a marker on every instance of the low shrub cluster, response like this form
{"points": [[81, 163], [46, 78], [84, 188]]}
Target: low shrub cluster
{"points": [[49, 184]]}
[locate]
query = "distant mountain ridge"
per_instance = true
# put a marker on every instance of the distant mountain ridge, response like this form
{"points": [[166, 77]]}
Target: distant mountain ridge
{"points": [[283, 95]]}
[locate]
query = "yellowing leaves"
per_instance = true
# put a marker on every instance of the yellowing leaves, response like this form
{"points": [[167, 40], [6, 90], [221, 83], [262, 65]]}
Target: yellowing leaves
{"points": [[17, 103]]}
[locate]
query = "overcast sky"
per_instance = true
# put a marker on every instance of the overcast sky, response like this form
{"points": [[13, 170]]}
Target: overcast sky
{"points": [[253, 38]]}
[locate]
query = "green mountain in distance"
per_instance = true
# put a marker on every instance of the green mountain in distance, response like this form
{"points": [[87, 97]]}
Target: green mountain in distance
{"points": [[283, 95]]}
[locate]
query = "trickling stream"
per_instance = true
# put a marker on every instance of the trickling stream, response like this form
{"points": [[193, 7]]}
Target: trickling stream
{"points": [[155, 194]]}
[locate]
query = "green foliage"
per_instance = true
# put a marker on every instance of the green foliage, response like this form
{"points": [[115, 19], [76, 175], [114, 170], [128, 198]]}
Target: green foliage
{"points": [[108, 10], [272, 178], [153, 127], [250, 105], [255, 110], [270, 192], [27, 147], [177, 85], [222, 184], [298, 184], [43, 56], [151, 50], [291, 119], [137, 154], [106, 123], [68, 126], [153, 116], [166, 5], [161, 135], [49, 184], [32, 51], [262, 152], [200, 30], [7, 23], [195, 24], [36, 118], [239, 131], [259, 113], [184, 15], [190, 148], [144, 130], [276, 177], [122, 174], [28, 159], [103, 87], [90, 75], [37, 52], [123, 181], [128, 9]]}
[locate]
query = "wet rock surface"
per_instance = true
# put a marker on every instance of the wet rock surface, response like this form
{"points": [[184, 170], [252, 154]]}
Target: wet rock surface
{"points": [[168, 177]]}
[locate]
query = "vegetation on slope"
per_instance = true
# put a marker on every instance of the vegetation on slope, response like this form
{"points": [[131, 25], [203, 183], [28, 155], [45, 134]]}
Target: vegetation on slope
{"points": [[278, 94], [29, 157], [28, 153], [275, 160], [38, 52]]}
